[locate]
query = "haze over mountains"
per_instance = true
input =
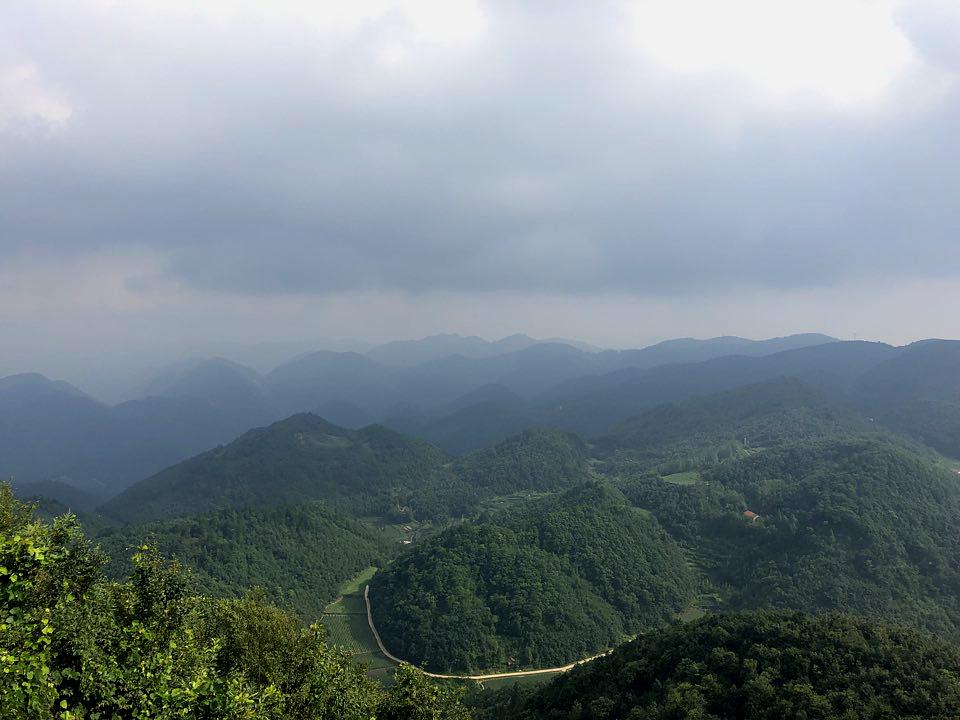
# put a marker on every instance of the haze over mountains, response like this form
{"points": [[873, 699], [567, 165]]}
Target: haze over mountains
{"points": [[56, 432], [590, 450], [508, 508]]}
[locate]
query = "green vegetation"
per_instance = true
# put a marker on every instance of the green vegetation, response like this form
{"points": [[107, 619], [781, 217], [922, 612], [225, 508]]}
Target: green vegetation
{"points": [[859, 523], [347, 631], [933, 422], [701, 432], [556, 581], [300, 459], [690, 477], [755, 666], [298, 554], [73, 645], [345, 620], [534, 460], [357, 583], [372, 472]]}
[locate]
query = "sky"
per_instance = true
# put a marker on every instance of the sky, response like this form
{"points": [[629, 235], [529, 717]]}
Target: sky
{"points": [[176, 175]]}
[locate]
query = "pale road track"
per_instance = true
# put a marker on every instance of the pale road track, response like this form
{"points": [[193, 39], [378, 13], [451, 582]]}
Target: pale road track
{"points": [[491, 676]]}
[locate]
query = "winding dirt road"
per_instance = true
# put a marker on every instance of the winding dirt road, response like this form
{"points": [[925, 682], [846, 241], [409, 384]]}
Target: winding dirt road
{"points": [[480, 678]]}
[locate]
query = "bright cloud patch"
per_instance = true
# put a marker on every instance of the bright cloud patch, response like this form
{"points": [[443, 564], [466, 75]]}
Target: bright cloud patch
{"points": [[846, 50]]}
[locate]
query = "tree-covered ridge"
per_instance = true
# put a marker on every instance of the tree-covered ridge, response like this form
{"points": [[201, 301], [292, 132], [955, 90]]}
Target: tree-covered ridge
{"points": [[702, 431], [299, 554], [539, 459], [371, 471], [73, 645], [558, 580], [934, 422], [300, 459], [857, 523], [761, 666]]}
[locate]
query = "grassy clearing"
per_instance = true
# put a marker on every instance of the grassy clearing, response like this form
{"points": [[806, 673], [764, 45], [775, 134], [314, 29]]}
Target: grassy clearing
{"points": [[507, 502], [345, 605], [398, 532], [692, 612], [691, 477], [356, 584], [347, 632], [703, 604], [345, 621]]}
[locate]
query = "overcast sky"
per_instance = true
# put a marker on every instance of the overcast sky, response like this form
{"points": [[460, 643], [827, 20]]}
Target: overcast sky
{"points": [[175, 171]]}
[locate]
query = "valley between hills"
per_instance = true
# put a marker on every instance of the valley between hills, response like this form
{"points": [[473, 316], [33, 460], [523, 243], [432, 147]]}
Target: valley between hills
{"points": [[658, 509]]}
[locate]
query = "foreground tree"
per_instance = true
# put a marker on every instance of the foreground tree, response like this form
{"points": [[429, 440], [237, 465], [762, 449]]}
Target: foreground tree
{"points": [[73, 645]]}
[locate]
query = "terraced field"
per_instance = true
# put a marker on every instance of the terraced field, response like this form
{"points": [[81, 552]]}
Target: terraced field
{"points": [[345, 622]]}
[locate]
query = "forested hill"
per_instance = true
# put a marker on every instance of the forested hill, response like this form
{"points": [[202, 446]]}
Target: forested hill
{"points": [[763, 414], [75, 645], [298, 554], [862, 524], [697, 433], [563, 578], [300, 459], [917, 393], [536, 459], [858, 524], [760, 666], [371, 471]]}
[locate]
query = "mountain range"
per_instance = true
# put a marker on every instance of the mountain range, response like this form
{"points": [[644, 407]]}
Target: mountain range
{"points": [[52, 431]]}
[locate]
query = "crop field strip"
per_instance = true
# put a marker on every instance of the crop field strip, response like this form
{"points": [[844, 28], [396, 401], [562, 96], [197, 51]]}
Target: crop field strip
{"points": [[345, 622]]}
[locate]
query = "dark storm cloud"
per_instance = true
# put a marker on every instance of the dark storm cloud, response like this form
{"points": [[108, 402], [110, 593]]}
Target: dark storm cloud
{"points": [[548, 156]]}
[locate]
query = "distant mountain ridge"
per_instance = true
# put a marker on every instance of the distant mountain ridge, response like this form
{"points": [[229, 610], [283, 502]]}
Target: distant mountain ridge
{"points": [[52, 431], [686, 350], [406, 353]]}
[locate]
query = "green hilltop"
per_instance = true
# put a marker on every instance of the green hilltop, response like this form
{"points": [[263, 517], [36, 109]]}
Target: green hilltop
{"points": [[565, 577]]}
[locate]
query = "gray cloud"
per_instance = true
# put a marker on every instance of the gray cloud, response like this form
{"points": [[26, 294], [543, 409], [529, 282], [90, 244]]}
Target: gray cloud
{"points": [[549, 157]]}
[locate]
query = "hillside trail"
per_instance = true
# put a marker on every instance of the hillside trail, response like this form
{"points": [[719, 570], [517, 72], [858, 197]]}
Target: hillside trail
{"points": [[479, 678]]}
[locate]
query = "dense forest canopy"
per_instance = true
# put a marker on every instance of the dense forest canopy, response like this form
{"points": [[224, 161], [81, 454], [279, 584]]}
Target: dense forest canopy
{"points": [[702, 431], [859, 523], [760, 666], [535, 459], [298, 554], [73, 645], [300, 459], [372, 471], [563, 578]]}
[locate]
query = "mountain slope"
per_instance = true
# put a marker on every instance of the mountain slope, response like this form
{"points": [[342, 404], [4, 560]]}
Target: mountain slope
{"points": [[761, 666], [539, 459], [698, 432], [481, 417], [917, 393], [45, 431], [50, 431], [563, 578], [689, 350], [592, 405], [299, 554], [857, 523], [299, 459], [312, 380]]}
